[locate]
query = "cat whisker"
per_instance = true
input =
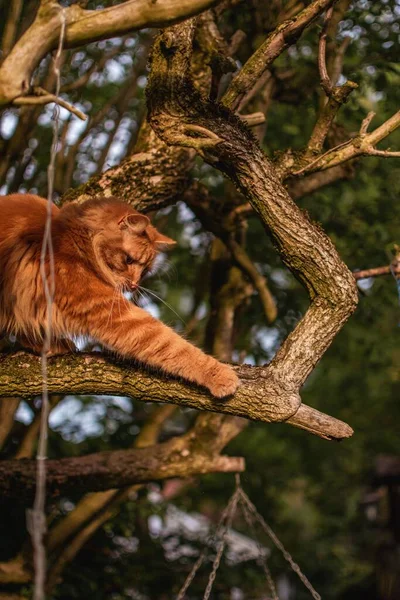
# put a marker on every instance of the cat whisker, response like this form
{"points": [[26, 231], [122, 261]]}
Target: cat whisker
{"points": [[143, 289], [166, 269]]}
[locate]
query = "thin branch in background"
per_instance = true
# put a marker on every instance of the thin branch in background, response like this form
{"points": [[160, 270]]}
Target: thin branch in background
{"points": [[96, 67], [11, 26], [258, 280], [279, 40], [336, 95], [361, 145], [27, 445], [8, 408], [326, 83], [45, 97], [374, 272]]}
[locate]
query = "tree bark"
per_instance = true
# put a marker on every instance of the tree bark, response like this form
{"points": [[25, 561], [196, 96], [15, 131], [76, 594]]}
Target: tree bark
{"points": [[260, 397]]}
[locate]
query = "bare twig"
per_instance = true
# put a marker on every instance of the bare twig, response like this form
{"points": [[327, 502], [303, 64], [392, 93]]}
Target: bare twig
{"points": [[336, 95], [44, 97], [323, 72], [376, 272], [366, 122], [361, 145]]}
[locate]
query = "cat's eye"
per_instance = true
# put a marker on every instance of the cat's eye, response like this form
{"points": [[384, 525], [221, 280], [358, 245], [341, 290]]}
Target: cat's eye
{"points": [[129, 260]]}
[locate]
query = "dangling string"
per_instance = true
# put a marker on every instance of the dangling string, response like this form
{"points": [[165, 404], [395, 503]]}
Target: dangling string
{"points": [[37, 516], [240, 499]]}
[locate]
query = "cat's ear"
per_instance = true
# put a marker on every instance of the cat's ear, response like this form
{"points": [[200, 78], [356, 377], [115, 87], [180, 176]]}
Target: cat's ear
{"points": [[136, 223], [163, 242]]}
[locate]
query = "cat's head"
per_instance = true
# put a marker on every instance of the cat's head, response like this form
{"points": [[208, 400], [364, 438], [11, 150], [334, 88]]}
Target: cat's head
{"points": [[124, 241]]}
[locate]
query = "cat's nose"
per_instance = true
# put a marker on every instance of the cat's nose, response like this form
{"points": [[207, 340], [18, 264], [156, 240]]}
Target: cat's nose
{"points": [[134, 286]]}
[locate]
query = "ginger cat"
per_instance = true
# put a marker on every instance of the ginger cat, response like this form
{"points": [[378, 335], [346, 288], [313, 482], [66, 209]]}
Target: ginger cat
{"points": [[101, 248]]}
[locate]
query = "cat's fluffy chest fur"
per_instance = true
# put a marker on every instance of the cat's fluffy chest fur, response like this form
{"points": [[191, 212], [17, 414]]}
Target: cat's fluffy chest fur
{"points": [[101, 248]]}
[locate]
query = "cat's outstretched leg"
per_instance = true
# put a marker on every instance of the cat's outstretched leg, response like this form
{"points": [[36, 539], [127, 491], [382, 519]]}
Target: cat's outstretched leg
{"points": [[133, 333]]}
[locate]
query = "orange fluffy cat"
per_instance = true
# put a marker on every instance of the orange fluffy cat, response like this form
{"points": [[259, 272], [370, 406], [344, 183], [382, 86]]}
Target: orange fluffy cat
{"points": [[101, 248]]}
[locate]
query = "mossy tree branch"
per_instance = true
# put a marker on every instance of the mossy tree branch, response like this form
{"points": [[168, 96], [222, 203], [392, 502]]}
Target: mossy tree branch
{"points": [[261, 396]]}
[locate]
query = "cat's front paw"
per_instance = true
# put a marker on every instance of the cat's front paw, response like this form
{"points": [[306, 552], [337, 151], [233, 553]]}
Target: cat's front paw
{"points": [[222, 381]]}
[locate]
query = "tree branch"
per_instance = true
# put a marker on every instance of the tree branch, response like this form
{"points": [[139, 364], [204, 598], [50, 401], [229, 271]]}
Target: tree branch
{"points": [[303, 246], [281, 38], [44, 97], [84, 26], [375, 272], [261, 396], [120, 468], [362, 145]]}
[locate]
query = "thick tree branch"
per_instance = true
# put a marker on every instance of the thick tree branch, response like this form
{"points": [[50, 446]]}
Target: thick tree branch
{"points": [[153, 177], [82, 27], [304, 248], [179, 457], [261, 396]]}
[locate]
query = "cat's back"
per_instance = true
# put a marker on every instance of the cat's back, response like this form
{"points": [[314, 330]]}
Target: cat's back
{"points": [[22, 214], [22, 222]]}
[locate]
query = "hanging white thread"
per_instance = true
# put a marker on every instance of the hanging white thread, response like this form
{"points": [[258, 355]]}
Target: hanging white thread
{"points": [[36, 517]]}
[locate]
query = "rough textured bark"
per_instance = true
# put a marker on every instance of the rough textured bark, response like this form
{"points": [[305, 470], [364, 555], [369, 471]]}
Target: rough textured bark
{"points": [[261, 397], [182, 117], [179, 457]]}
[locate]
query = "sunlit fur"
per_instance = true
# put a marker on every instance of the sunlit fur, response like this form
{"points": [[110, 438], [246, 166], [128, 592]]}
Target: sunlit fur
{"points": [[101, 248]]}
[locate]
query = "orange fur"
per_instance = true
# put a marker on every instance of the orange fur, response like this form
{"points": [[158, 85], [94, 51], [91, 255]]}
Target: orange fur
{"points": [[93, 244]]}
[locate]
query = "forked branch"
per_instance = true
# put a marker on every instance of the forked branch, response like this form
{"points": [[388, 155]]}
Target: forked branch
{"points": [[173, 105], [362, 145]]}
